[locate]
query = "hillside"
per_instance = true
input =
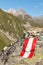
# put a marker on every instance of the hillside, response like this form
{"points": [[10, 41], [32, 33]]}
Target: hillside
{"points": [[4, 41], [13, 27], [34, 21], [20, 13], [11, 24], [13, 57], [39, 19]]}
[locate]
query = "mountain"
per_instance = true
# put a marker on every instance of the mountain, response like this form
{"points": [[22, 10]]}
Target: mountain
{"points": [[12, 11], [39, 19], [11, 24], [12, 27], [34, 21], [20, 13]]}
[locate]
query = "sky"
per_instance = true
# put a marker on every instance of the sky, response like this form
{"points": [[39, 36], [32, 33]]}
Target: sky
{"points": [[31, 7]]}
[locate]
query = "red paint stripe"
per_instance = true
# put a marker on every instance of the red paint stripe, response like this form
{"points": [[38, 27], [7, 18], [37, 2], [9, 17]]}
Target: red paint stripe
{"points": [[24, 47], [33, 48], [31, 54]]}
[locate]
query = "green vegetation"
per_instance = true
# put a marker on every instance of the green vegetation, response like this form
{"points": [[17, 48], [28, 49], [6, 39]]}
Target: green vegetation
{"points": [[4, 41], [36, 24], [11, 24]]}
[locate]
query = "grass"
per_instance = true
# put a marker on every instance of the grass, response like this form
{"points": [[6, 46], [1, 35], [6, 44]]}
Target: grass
{"points": [[36, 24], [3, 41], [9, 26]]}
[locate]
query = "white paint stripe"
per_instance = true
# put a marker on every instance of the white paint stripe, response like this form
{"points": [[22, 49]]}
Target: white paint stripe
{"points": [[26, 54], [28, 48], [29, 45]]}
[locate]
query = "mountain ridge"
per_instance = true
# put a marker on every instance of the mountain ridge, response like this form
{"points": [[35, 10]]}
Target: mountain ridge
{"points": [[20, 13], [38, 18]]}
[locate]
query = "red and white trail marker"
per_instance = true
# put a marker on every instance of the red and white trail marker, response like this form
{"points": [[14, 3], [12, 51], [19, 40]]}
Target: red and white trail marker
{"points": [[28, 48]]}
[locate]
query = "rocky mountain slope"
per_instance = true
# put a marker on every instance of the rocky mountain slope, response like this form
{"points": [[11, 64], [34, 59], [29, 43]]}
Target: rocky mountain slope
{"points": [[39, 19], [13, 58], [4, 41], [13, 26], [21, 14], [34, 21]]}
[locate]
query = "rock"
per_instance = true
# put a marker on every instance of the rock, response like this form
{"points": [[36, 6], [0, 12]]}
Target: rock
{"points": [[39, 62]]}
